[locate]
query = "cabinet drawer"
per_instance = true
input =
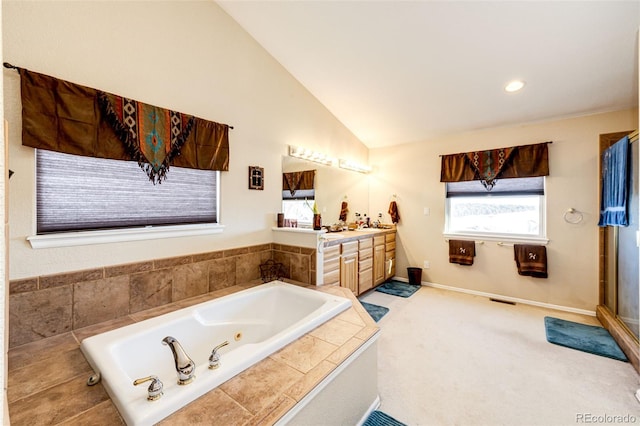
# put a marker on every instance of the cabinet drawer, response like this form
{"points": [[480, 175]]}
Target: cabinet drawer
{"points": [[391, 246], [390, 237], [349, 248], [365, 243], [365, 253], [331, 251], [378, 240], [365, 264], [330, 266], [332, 278], [389, 255]]}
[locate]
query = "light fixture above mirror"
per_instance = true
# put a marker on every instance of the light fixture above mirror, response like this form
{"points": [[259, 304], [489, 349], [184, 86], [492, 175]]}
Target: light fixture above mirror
{"points": [[353, 166], [307, 154]]}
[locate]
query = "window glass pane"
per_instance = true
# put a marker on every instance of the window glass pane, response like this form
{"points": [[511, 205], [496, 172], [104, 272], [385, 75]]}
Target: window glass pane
{"points": [[301, 210], [518, 215], [82, 193]]}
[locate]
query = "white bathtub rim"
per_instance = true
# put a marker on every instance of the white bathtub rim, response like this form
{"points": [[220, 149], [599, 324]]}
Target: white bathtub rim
{"points": [[137, 411]]}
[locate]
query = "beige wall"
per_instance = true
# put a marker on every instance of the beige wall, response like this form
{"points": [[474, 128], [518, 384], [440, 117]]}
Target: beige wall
{"points": [[413, 173], [191, 57]]}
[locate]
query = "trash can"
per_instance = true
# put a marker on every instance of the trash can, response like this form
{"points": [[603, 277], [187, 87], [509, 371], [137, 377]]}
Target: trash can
{"points": [[415, 276]]}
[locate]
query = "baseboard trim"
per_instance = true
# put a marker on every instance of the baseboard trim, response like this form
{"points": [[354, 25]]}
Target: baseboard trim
{"points": [[506, 298]]}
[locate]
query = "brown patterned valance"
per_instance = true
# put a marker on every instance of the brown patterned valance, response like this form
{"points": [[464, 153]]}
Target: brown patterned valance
{"points": [[293, 181], [61, 116], [487, 166]]}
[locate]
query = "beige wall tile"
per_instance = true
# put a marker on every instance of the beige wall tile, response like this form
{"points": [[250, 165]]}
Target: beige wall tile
{"points": [[222, 273], [70, 278], [127, 269], [150, 289], [190, 280], [20, 286], [39, 314], [101, 300], [300, 268]]}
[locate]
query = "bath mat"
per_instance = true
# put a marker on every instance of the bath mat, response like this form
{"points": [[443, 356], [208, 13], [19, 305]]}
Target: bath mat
{"points": [[378, 418], [587, 338], [397, 288], [375, 311]]}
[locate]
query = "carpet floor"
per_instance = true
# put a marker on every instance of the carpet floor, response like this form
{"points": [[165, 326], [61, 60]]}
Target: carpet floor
{"points": [[447, 358]]}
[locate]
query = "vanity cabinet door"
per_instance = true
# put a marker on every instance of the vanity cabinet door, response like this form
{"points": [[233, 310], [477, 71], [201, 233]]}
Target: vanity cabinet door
{"points": [[378, 264], [349, 266]]}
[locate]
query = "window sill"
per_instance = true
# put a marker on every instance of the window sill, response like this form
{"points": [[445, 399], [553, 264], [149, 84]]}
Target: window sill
{"points": [[504, 239], [68, 239]]}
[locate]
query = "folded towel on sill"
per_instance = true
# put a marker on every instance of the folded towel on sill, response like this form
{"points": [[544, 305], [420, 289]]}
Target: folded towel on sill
{"points": [[462, 252], [531, 260], [343, 212], [393, 211]]}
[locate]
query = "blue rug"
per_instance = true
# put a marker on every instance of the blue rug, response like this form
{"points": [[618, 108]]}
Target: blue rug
{"points": [[375, 311], [378, 418], [587, 338], [397, 288]]}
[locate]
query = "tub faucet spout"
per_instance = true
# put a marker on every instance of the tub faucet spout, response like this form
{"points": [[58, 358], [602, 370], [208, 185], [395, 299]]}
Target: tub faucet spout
{"points": [[185, 367]]}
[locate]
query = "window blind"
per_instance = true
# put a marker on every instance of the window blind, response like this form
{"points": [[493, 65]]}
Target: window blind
{"points": [[76, 193], [515, 186]]}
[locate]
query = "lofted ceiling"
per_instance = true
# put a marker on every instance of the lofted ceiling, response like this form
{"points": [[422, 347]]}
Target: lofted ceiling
{"points": [[397, 72]]}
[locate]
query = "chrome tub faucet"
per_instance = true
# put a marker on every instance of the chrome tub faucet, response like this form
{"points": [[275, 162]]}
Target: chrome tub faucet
{"points": [[185, 367]]}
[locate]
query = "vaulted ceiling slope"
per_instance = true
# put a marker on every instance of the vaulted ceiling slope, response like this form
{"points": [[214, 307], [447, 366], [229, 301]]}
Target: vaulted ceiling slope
{"points": [[397, 72]]}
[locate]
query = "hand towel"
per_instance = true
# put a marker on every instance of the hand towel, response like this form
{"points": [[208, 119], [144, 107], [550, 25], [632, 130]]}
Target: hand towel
{"points": [[531, 260], [393, 211], [343, 212], [462, 252]]}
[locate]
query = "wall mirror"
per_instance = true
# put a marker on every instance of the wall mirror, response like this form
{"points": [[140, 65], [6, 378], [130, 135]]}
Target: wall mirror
{"points": [[332, 186]]}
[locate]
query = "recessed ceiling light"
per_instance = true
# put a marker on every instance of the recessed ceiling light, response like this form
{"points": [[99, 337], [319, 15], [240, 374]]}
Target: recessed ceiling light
{"points": [[514, 86]]}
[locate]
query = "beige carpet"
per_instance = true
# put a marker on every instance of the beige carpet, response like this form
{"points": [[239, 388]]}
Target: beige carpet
{"points": [[446, 358]]}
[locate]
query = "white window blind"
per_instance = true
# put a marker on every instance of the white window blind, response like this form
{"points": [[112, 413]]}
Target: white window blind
{"points": [[82, 193]]}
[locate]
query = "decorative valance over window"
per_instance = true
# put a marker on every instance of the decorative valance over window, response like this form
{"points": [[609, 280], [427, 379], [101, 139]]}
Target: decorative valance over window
{"points": [[61, 116], [298, 181], [487, 166]]}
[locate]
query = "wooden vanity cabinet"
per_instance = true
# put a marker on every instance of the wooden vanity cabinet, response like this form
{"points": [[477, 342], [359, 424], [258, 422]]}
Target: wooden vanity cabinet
{"points": [[379, 251], [390, 256], [349, 266], [365, 265], [331, 265]]}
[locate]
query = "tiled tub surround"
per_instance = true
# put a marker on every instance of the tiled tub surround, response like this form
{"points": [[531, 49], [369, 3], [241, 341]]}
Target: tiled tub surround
{"points": [[47, 306], [47, 378]]}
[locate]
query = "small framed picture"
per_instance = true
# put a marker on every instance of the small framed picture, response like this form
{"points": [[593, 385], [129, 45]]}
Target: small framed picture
{"points": [[256, 177]]}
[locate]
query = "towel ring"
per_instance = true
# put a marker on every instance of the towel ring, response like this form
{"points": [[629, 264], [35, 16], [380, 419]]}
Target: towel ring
{"points": [[572, 216]]}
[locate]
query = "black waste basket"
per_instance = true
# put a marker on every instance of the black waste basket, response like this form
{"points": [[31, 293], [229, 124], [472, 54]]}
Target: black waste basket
{"points": [[415, 276]]}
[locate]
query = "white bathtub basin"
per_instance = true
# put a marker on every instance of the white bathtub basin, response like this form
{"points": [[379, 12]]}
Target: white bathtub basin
{"points": [[256, 322]]}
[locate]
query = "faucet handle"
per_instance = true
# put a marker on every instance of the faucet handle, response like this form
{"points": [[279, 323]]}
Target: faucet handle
{"points": [[214, 359], [154, 389]]}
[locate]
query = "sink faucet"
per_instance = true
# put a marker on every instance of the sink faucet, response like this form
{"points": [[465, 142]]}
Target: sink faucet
{"points": [[184, 365]]}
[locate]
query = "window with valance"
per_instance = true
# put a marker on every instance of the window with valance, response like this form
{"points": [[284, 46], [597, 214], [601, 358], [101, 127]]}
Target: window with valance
{"points": [[496, 193]]}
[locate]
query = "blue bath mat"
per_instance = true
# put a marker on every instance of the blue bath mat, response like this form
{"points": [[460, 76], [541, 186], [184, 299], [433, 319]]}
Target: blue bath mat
{"points": [[397, 288], [375, 311], [378, 418], [587, 338]]}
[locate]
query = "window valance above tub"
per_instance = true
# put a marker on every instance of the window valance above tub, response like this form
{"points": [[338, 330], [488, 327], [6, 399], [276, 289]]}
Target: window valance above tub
{"points": [[65, 117], [298, 181], [487, 166]]}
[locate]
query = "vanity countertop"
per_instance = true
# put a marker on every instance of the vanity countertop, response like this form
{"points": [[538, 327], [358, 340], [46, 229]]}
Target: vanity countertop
{"points": [[334, 238], [47, 378]]}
